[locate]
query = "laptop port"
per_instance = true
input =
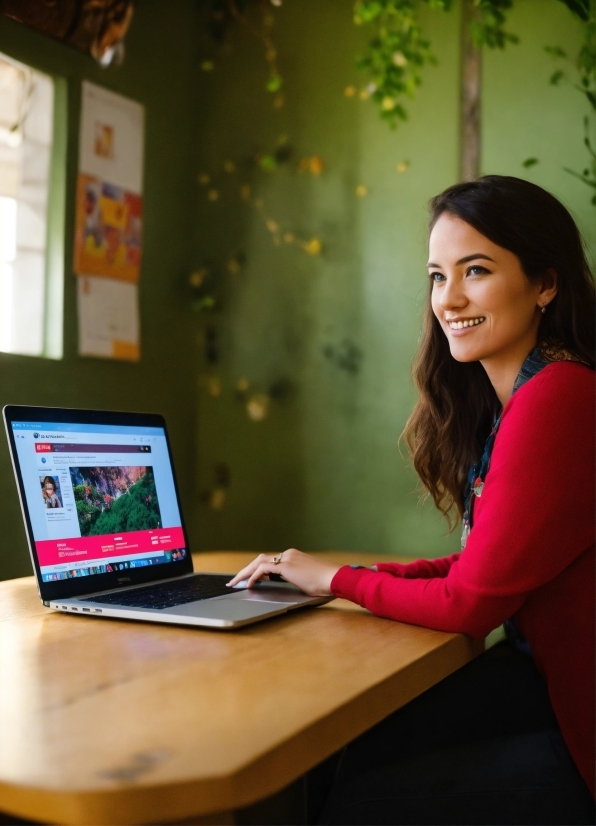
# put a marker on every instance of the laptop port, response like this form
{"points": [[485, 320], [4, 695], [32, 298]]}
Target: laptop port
{"points": [[87, 609], [74, 609]]}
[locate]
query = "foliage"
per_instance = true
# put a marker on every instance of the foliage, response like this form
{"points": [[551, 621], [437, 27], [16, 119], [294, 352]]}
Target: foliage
{"points": [[583, 69], [136, 509], [396, 54], [584, 64], [588, 175], [579, 7], [487, 28], [257, 18], [398, 51], [201, 288]]}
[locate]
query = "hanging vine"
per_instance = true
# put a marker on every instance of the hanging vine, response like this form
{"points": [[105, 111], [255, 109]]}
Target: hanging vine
{"points": [[398, 52], [256, 16], [583, 80]]}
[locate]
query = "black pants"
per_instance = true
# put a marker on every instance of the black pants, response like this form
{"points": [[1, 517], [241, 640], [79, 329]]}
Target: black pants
{"points": [[481, 747]]}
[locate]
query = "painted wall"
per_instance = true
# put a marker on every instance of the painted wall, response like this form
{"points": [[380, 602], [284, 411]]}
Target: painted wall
{"points": [[337, 330], [159, 71], [323, 470]]}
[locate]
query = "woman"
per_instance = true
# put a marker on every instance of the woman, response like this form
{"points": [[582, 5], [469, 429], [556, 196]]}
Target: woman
{"points": [[502, 435], [48, 489]]}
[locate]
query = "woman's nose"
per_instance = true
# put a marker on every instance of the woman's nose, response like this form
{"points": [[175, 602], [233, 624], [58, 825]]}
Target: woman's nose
{"points": [[453, 295]]}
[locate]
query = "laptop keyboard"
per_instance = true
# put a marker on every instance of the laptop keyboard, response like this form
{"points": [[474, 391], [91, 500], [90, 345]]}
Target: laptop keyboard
{"points": [[168, 594]]}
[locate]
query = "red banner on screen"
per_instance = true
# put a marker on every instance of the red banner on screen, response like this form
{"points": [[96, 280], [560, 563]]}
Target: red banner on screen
{"points": [[81, 548]]}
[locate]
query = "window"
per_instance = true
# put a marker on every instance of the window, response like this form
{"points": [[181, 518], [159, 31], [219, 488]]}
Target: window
{"points": [[26, 170]]}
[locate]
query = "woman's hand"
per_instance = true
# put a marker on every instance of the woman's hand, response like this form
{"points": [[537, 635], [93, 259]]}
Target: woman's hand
{"points": [[311, 575]]}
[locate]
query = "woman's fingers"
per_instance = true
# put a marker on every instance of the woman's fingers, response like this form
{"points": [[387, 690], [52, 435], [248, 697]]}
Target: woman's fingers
{"points": [[311, 575], [264, 568], [243, 574], [247, 572]]}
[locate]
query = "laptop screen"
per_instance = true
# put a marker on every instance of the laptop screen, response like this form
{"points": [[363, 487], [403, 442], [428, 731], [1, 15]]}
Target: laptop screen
{"points": [[101, 499]]}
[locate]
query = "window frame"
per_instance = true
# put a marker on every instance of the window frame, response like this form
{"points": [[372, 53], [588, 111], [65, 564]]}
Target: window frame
{"points": [[54, 259]]}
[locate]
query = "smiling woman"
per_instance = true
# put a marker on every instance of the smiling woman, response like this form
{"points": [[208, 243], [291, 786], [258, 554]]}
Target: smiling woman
{"points": [[503, 435], [509, 253], [497, 294]]}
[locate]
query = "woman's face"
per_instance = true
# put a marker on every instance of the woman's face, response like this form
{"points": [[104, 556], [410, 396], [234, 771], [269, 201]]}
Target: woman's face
{"points": [[487, 307], [49, 489]]}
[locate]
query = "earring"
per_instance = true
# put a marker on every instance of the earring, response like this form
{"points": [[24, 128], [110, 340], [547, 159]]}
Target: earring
{"points": [[543, 309]]}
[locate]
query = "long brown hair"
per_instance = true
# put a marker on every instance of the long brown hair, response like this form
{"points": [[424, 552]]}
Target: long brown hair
{"points": [[456, 402]]}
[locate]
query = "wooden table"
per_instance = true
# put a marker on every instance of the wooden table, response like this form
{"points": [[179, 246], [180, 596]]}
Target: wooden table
{"points": [[112, 722]]}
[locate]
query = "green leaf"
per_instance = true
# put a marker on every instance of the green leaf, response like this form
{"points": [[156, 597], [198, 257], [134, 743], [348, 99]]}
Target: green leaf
{"points": [[555, 51], [268, 163], [274, 83], [581, 178], [367, 12], [205, 303], [579, 7], [556, 77], [530, 162]]}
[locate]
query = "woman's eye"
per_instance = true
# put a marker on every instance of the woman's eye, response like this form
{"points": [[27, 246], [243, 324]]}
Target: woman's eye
{"points": [[476, 270], [437, 276]]}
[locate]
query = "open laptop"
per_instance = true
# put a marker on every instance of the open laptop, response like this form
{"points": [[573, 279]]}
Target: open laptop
{"points": [[105, 528]]}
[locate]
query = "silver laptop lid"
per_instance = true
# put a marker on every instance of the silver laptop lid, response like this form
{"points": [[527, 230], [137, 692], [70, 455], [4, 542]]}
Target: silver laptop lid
{"points": [[99, 498]]}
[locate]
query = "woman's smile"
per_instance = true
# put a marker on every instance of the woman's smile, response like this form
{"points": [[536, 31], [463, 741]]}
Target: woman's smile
{"points": [[460, 326]]}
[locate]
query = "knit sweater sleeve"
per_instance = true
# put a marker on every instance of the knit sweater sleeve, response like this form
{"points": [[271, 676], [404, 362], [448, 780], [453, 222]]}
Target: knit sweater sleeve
{"points": [[534, 518], [420, 569]]}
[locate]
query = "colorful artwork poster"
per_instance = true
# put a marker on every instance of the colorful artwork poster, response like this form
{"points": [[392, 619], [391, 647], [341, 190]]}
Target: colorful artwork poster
{"points": [[109, 230]]}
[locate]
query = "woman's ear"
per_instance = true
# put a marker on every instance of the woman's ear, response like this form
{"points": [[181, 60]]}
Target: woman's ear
{"points": [[548, 287]]}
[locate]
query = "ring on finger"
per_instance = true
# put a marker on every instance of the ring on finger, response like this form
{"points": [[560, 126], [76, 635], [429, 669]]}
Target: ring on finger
{"points": [[277, 559]]}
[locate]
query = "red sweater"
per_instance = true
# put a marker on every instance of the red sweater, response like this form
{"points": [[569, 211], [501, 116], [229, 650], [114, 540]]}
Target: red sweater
{"points": [[530, 554]]}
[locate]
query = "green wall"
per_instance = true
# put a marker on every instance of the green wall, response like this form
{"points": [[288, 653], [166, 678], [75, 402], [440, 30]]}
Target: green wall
{"points": [[159, 71], [526, 117], [324, 469]]}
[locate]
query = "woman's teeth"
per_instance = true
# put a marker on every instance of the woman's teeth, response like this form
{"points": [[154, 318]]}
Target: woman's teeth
{"points": [[468, 322]]}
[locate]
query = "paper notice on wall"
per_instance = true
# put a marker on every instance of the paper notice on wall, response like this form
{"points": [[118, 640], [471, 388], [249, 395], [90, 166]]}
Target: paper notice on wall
{"points": [[109, 223], [108, 318], [109, 212], [111, 138]]}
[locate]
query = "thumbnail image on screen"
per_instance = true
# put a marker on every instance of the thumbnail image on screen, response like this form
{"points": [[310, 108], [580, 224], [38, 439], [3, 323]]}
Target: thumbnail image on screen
{"points": [[115, 499], [50, 491]]}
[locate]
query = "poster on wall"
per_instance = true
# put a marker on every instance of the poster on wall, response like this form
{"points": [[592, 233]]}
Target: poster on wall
{"points": [[108, 318], [109, 220], [108, 231]]}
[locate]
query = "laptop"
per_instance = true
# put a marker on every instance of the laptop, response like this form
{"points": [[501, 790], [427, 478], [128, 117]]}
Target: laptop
{"points": [[105, 529]]}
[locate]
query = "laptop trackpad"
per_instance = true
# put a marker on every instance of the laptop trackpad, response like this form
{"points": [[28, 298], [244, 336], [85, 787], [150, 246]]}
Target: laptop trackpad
{"points": [[228, 608], [268, 594]]}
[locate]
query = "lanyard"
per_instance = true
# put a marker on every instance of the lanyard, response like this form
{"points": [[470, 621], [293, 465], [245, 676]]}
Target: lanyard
{"points": [[475, 484]]}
